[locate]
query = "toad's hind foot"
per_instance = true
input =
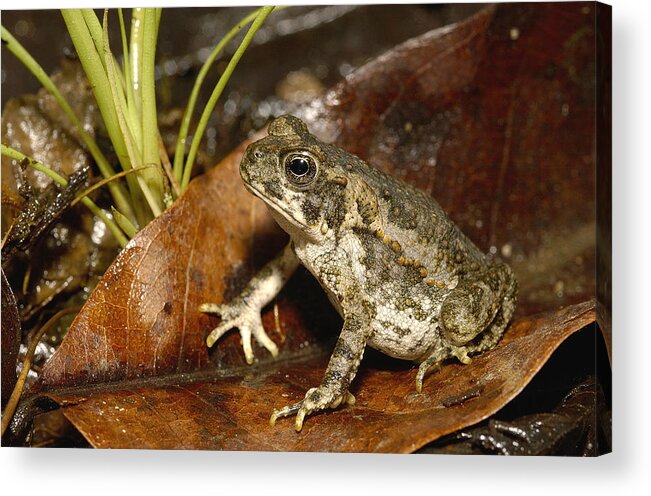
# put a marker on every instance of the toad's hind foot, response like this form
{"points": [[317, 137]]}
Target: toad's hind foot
{"points": [[316, 399], [423, 368], [434, 362]]}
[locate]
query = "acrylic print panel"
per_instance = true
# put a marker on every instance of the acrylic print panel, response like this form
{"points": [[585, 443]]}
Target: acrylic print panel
{"points": [[500, 113]]}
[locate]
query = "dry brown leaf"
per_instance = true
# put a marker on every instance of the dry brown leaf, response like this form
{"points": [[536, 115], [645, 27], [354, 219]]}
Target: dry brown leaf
{"points": [[231, 411], [10, 339]]}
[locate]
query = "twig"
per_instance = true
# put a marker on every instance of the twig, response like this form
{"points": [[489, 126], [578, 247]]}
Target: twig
{"points": [[107, 180], [59, 179]]}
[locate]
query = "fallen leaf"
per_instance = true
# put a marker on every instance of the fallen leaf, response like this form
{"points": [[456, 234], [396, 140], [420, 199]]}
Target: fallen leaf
{"points": [[35, 125], [10, 339], [580, 425], [230, 411], [494, 116]]}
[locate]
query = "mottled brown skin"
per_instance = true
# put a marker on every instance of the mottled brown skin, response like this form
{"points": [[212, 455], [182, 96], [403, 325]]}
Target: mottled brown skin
{"points": [[405, 279]]}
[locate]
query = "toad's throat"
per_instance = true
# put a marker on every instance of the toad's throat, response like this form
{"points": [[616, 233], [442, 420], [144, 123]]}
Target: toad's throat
{"points": [[280, 213]]}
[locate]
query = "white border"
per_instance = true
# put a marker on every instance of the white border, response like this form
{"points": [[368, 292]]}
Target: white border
{"points": [[627, 471]]}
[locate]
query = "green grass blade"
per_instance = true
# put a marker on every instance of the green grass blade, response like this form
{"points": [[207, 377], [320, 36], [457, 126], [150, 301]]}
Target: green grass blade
{"points": [[59, 179], [117, 92], [150, 149], [125, 224], [135, 51], [97, 34], [99, 79], [131, 145], [219, 88], [132, 116], [94, 28], [179, 153], [125, 47], [94, 68]]}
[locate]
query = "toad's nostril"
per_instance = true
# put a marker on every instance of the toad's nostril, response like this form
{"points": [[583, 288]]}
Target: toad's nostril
{"points": [[257, 154]]}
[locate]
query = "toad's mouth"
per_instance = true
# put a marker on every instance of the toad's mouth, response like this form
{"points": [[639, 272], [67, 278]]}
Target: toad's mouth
{"points": [[279, 212]]}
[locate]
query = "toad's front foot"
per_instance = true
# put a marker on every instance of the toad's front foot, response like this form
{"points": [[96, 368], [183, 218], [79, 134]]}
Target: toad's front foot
{"points": [[247, 319], [316, 399]]}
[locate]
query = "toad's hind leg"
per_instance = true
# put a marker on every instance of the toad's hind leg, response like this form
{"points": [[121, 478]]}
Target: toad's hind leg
{"points": [[474, 304], [489, 338], [473, 317]]}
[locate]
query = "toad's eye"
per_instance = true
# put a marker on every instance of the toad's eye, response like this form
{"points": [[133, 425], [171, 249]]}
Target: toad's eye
{"points": [[300, 168]]}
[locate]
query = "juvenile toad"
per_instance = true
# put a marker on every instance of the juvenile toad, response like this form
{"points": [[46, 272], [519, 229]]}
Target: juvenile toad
{"points": [[404, 278]]}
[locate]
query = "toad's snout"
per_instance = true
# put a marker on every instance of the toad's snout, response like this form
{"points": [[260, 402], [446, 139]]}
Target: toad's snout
{"points": [[245, 173]]}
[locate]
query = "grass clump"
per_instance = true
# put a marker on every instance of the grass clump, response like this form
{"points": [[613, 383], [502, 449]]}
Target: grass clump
{"points": [[126, 97]]}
